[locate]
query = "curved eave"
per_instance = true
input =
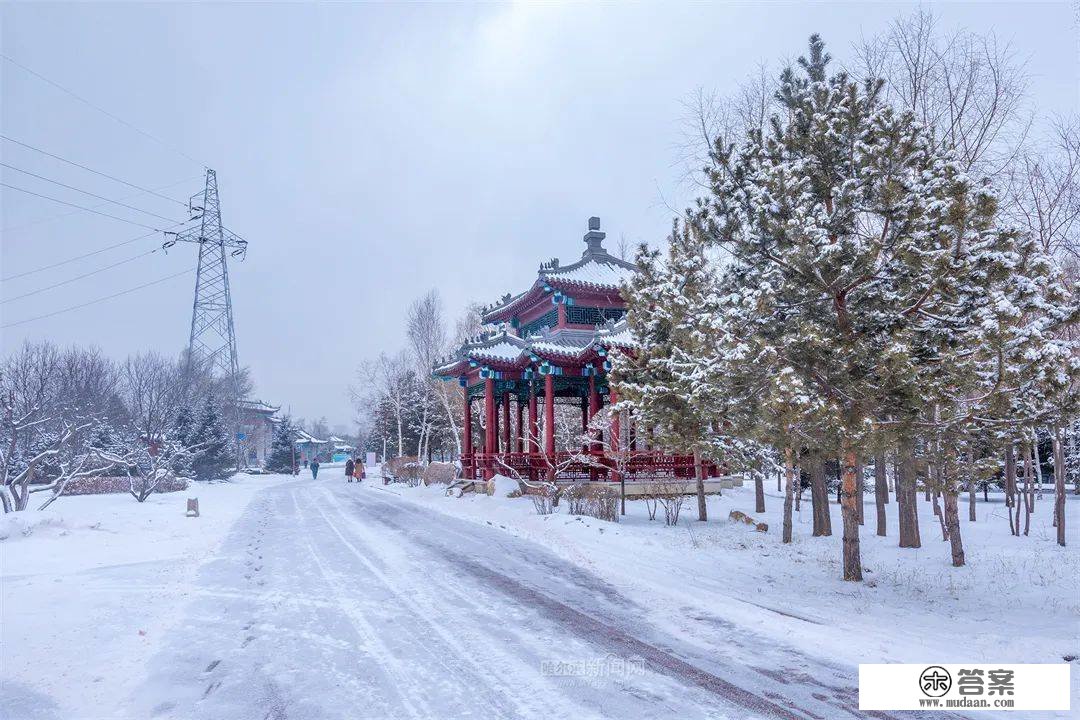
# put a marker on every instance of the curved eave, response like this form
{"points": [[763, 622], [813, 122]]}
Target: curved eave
{"points": [[571, 285], [502, 313], [561, 356], [452, 370], [502, 363]]}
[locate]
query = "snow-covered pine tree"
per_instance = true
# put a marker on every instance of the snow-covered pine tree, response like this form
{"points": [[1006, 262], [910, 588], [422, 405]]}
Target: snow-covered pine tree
{"points": [[215, 460], [1028, 367], [183, 432], [282, 458], [669, 383], [838, 215]]}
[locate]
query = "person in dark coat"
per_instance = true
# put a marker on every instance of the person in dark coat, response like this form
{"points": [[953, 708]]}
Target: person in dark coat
{"points": [[348, 469], [314, 465]]}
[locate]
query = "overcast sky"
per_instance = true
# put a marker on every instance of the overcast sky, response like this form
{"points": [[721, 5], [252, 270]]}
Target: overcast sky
{"points": [[371, 152]]}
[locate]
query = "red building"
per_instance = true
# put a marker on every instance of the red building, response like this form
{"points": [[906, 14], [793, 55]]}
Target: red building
{"points": [[549, 346]]}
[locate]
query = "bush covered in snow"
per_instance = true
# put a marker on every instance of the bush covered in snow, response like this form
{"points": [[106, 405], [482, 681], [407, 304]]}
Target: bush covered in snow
{"points": [[109, 484]]}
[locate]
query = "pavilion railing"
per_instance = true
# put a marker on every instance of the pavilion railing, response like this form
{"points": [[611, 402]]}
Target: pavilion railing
{"points": [[636, 465]]}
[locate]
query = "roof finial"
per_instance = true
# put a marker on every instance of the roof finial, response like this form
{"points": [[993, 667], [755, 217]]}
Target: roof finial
{"points": [[594, 239]]}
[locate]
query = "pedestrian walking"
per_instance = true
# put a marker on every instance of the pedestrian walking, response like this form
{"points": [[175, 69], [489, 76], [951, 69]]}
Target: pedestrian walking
{"points": [[358, 470], [349, 465], [314, 465]]}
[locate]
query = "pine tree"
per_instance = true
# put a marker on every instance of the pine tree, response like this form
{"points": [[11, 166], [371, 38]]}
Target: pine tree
{"points": [[183, 433], [282, 458], [669, 382], [844, 225], [215, 460]]}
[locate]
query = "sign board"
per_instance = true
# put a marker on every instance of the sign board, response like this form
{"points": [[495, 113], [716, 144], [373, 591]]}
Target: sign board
{"points": [[370, 460]]}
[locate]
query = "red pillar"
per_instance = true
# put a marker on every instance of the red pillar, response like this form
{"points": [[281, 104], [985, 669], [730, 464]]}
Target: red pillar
{"points": [[549, 421], [489, 429], [520, 444], [466, 438], [506, 428]]}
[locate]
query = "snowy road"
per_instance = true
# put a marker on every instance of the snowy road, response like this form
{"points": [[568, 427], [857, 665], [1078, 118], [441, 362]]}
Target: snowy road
{"points": [[331, 600]]}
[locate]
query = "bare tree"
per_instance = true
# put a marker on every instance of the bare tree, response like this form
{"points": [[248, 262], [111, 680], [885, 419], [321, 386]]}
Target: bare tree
{"points": [[62, 450], [711, 122], [970, 89], [426, 332], [385, 379], [153, 393], [1044, 195]]}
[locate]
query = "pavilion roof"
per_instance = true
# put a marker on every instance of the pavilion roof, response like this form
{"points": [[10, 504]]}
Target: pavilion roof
{"points": [[303, 437], [257, 406], [617, 335], [504, 348], [597, 270]]}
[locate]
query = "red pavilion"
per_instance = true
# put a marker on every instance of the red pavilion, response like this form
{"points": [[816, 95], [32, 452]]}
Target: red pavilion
{"points": [[550, 345]]}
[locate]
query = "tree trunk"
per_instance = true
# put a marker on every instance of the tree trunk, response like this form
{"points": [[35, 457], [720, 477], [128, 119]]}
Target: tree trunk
{"points": [[1038, 461], [850, 515], [759, 493], [860, 491], [819, 496], [1059, 486], [895, 486], [789, 491], [933, 479], [1010, 489], [941, 517], [971, 487], [906, 497], [400, 436], [881, 491], [1028, 499], [798, 489], [952, 522], [699, 472], [451, 411]]}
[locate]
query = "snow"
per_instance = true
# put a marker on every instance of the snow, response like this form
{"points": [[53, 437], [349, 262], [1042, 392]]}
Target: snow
{"points": [[504, 351], [323, 599], [593, 273], [89, 589], [1017, 600]]}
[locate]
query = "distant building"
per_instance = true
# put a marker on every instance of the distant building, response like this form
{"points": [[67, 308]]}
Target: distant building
{"points": [[342, 450], [309, 447], [257, 423]]}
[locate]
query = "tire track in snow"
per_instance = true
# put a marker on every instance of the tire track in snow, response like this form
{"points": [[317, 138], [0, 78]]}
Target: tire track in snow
{"points": [[363, 627], [480, 676]]}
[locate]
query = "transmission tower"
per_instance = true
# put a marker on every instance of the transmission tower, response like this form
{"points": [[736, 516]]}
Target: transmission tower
{"points": [[213, 334]]}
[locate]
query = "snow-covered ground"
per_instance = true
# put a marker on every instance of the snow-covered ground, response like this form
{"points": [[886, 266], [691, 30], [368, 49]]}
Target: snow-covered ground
{"points": [[91, 586], [1017, 600], [290, 598]]}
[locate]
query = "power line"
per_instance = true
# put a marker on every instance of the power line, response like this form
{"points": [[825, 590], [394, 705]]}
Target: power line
{"points": [[80, 257], [81, 207], [89, 169], [79, 277], [81, 99], [49, 218], [84, 192], [100, 299]]}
